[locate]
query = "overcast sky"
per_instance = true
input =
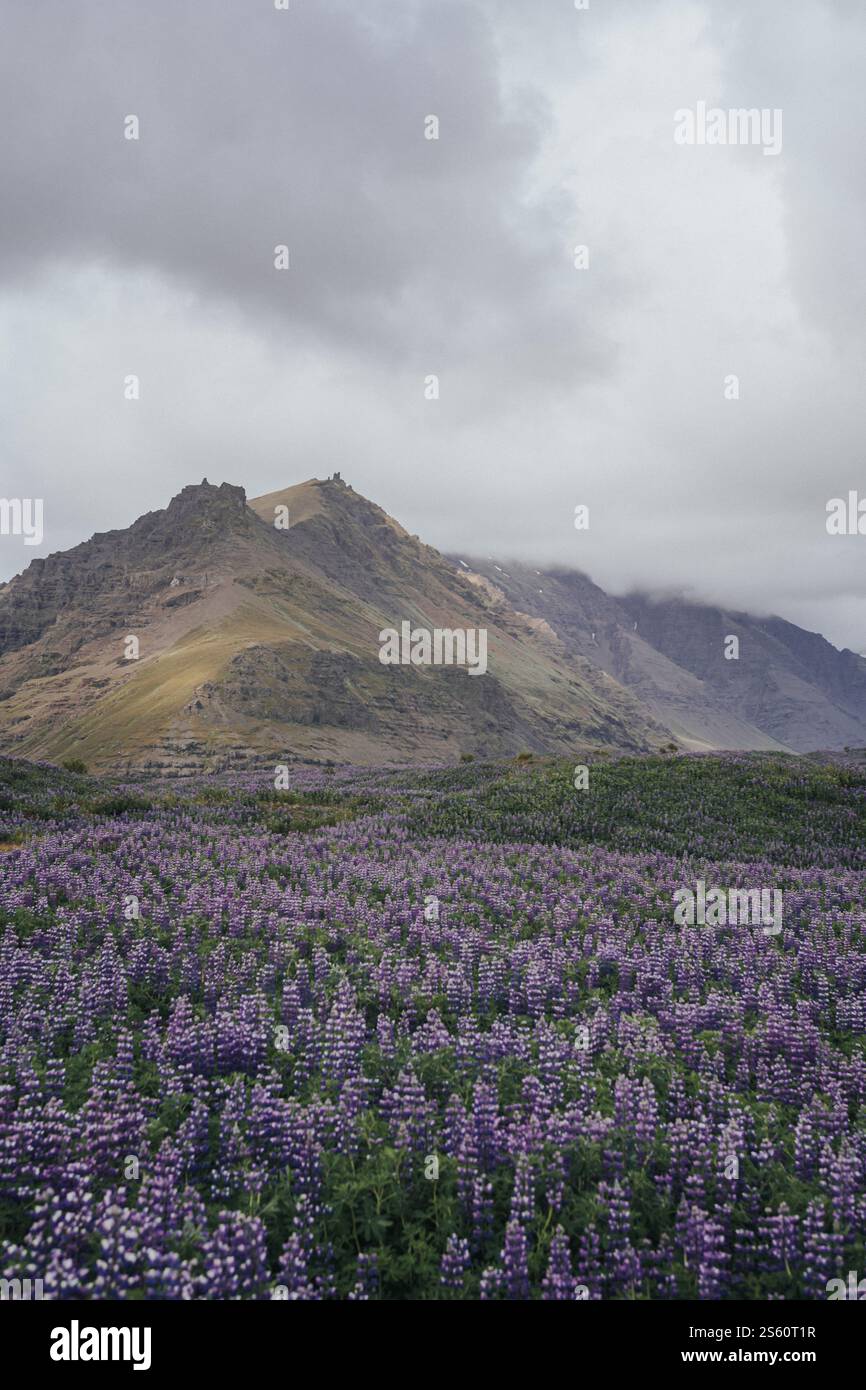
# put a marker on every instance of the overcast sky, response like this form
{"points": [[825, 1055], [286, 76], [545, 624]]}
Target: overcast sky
{"points": [[455, 257]]}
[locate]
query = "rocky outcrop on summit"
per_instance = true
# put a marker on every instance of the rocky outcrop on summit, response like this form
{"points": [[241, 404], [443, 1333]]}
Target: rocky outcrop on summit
{"points": [[102, 583]]}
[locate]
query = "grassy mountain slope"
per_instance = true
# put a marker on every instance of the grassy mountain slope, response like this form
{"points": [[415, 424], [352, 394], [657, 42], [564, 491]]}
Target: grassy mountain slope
{"points": [[259, 640]]}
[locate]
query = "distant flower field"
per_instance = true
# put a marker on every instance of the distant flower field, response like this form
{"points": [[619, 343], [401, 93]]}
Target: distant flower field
{"points": [[432, 1034]]}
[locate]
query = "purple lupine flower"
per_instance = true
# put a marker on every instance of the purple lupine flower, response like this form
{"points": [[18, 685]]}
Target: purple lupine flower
{"points": [[456, 1260], [559, 1283], [514, 1258]]}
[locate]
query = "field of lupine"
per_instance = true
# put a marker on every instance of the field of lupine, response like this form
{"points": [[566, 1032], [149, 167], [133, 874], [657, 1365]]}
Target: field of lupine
{"points": [[433, 1034]]}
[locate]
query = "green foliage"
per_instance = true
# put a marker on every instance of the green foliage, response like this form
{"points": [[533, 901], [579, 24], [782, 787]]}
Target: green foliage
{"points": [[120, 804], [75, 765], [760, 807]]}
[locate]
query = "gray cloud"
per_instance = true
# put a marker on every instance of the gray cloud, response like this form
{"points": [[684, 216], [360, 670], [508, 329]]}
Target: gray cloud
{"points": [[452, 257], [304, 128]]}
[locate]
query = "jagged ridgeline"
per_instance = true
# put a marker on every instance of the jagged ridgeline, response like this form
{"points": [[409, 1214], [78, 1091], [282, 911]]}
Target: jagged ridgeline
{"points": [[219, 631]]}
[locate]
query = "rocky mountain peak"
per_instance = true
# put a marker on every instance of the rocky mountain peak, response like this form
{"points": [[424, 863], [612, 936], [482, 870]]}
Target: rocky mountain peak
{"points": [[209, 499]]}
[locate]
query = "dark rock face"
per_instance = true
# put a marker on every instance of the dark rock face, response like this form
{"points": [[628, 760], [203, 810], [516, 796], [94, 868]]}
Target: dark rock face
{"points": [[294, 685], [793, 684], [96, 586], [788, 687]]}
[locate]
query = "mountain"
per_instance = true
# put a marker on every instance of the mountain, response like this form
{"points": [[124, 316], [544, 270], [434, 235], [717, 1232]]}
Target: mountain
{"points": [[791, 684], [220, 630], [255, 639], [787, 689]]}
